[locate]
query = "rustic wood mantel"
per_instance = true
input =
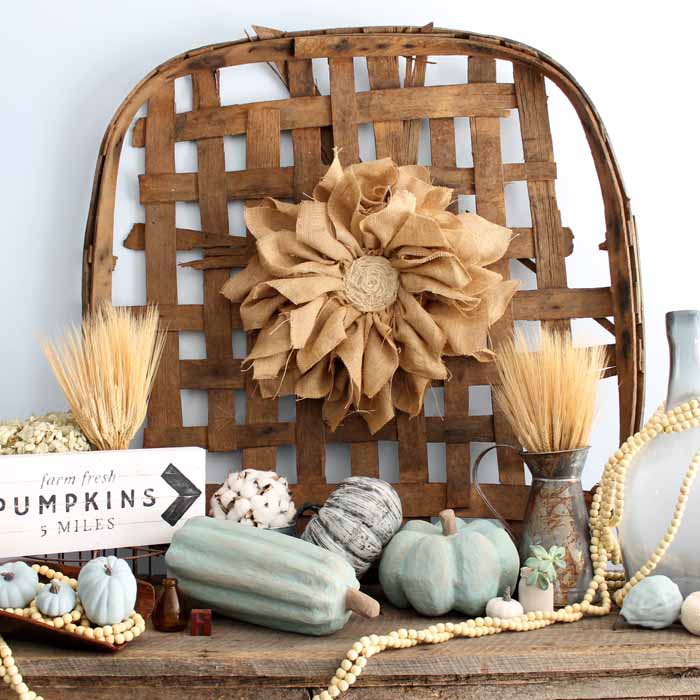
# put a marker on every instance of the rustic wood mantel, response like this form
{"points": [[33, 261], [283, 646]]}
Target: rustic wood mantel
{"points": [[594, 658]]}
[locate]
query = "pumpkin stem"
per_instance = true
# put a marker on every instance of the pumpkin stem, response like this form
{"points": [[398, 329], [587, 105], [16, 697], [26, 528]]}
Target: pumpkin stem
{"points": [[55, 587], [108, 569], [449, 522], [8, 575], [361, 603], [506, 595]]}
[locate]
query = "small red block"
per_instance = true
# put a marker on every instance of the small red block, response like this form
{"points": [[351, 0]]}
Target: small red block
{"points": [[200, 623]]}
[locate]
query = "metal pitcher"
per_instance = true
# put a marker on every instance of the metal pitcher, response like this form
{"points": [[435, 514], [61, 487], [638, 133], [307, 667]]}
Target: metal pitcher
{"points": [[556, 514]]}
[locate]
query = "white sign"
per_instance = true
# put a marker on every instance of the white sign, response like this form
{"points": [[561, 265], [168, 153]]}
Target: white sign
{"points": [[68, 502]]}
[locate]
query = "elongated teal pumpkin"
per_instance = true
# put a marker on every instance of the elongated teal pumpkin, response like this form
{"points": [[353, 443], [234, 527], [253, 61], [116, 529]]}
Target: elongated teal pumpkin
{"points": [[264, 577], [450, 566]]}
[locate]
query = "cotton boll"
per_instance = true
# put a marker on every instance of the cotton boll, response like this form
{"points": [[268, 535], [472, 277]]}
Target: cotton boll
{"points": [[256, 498], [240, 508]]}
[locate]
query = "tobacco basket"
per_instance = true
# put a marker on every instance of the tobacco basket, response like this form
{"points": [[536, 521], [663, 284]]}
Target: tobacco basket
{"points": [[396, 104]]}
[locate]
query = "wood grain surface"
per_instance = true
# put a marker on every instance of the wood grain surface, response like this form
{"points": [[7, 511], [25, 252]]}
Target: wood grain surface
{"points": [[588, 659]]}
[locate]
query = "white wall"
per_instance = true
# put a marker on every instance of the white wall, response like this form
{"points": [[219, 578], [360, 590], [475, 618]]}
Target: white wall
{"points": [[67, 66]]}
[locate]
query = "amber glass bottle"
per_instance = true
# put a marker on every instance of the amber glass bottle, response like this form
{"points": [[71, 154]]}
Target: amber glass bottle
{"points": [[169, 615]]}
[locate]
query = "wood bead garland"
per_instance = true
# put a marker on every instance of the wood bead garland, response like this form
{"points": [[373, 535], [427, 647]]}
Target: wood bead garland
{"points": [[606, 513]]}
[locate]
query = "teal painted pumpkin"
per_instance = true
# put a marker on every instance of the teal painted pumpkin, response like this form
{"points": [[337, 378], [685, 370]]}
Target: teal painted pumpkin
{"points": [[107, 590], [453, 565], [55, 599], [263, 577], [18, 584], [655, 602]]}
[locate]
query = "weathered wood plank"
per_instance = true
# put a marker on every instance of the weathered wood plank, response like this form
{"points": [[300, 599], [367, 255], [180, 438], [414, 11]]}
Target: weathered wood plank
{"points": [[315, 110], [528, 305], [213, 207], [236, 250], [189, 239], [164, 407], [262, 151], [344, 110], [388, 134], [280, 182], [491, 204], [412, 435], [581, 661], [537, 146], [211, 374], [307, 143]]}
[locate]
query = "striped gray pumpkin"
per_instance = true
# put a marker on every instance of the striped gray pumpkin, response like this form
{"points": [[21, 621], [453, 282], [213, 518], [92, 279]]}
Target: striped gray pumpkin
{"points": [[357, 521]]}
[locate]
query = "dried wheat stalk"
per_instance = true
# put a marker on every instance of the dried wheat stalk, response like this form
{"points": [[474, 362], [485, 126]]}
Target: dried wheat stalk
{"points": [[106, 369], [549, 396]]}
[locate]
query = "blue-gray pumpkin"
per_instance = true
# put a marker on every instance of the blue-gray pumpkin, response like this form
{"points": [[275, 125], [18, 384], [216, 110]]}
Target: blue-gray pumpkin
{"points": [[655, 602], [453, 565], [18, 584], [55, 599], [107, 590]]}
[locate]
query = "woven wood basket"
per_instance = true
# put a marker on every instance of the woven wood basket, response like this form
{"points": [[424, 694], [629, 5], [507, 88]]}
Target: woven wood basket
{"points": [[395, 106]]}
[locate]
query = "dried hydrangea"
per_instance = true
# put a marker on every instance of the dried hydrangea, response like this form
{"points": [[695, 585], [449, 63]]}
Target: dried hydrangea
{"points": [[54, 432]]}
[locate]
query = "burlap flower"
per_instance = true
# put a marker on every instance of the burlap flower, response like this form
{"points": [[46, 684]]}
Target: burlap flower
{"points": [[359, 293]]}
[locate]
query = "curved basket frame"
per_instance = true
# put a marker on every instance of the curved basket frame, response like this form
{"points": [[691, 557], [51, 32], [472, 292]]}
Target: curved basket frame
{"points": [[317, 121]]}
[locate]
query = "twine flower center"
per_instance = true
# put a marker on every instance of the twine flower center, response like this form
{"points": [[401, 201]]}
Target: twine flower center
{"points": [[371, 283]]}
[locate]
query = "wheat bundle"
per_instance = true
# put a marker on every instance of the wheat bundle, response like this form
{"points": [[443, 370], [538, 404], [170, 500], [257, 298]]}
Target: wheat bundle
{"points": [[549, 396], [106, 369]]}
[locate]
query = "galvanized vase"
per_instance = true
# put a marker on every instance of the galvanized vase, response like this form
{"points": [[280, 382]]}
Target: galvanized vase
{"points": [[556, 514]]}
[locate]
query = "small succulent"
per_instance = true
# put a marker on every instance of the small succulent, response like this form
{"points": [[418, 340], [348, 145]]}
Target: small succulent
{"points": [[543, 565]]}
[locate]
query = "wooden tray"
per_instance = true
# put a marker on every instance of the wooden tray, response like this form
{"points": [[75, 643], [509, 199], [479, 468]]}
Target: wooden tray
{"points": [[395, 105], [13, 626]]}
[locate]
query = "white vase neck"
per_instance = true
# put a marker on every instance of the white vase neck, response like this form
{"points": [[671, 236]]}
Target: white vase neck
{"points": [[683, 332]]}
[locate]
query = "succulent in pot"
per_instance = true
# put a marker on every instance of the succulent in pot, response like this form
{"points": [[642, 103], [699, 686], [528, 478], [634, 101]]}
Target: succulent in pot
{"points": [[537, 577]]}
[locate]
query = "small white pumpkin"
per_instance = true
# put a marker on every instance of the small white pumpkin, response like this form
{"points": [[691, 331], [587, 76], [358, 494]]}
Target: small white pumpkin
{"points": [[504, 607], [690, 613], [18, 584], [107, 590], [55, 599]]}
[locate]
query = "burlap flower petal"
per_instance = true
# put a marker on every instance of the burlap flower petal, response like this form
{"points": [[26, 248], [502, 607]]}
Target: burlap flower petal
{"points": [[408, 392], [314, 228], [317, 383], [465, 334], [419, 231], [383, 225], [283, 256], [269, 217], [260, 306], [380, 360], [238, 286], [302, 320], [378, 410], [299, 290]]}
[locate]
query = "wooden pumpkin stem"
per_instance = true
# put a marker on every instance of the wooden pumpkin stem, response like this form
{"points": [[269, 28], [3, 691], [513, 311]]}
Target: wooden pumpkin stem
{"points": [[361, 603], [506, 595], [449, 522], [55, 587], [7, 575], [108, 569]]}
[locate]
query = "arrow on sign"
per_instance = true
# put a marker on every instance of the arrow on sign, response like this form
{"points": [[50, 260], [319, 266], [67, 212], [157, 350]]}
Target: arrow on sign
{"points": [[187, 492]]}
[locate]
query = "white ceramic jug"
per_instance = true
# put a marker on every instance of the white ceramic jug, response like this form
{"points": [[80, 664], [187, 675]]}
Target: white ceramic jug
{"points": [[655, 475]]}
